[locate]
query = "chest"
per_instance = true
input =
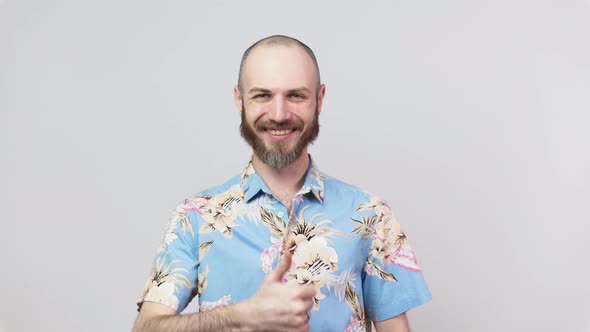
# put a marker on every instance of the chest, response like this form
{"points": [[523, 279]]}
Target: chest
{"points": [[324, 249]]}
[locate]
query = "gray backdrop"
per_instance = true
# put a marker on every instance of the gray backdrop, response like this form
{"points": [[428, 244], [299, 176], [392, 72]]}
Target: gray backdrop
{"points": [[470, 118]]}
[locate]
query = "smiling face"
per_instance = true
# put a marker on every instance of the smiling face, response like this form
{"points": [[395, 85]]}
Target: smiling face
{"points": [[280, 100]]}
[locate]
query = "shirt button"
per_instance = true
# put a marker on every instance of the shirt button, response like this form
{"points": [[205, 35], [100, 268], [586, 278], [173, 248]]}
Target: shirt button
{"points": [[280, 214]]}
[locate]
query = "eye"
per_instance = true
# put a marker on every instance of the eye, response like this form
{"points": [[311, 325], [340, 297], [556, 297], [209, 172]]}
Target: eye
{"points": [[261, 96], [297, 95]]}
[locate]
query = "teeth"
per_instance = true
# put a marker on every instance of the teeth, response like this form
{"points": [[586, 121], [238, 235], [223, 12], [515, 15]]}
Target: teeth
{"points": [[280, 132]]}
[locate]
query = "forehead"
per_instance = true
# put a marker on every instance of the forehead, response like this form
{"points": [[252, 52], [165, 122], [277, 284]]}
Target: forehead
{"points": [[279, 67]]}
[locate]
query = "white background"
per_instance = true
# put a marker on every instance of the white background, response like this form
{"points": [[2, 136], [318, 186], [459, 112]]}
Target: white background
{"points": [[469, 117]]}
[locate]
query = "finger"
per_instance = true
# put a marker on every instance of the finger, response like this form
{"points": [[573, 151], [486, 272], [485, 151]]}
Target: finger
{"points": [[304, 321], [307, 292], [303, 328], [300, 319], [282, 268], [308, 304]]}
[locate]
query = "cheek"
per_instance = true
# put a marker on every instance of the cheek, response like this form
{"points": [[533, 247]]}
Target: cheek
{"points": [[253, 113], [307, 115], [302, 111]]}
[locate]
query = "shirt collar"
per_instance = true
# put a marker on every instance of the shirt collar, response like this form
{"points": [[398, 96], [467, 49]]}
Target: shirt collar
{"points": [[252, 183]]}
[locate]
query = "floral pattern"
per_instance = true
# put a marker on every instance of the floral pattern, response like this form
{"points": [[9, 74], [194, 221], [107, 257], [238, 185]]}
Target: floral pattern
{"points": [[165, 279], [389, 243], [223, 301], [219, 244], [313, 263], [221, 211], [313, 260]]}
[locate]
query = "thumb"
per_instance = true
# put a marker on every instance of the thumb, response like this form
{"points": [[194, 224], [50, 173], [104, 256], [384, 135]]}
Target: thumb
{"points": [[282, 268]]}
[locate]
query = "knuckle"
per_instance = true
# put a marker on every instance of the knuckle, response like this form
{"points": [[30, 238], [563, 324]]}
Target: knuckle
{"points": [[299, 320], [305, 306], [298, 306], [305, 327], [295, 321]]}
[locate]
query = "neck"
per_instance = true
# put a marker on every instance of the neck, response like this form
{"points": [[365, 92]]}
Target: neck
{"points": [[285, 182]]}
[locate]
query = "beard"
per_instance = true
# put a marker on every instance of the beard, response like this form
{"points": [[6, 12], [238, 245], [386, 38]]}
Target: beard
{"points": [[278, 156]]}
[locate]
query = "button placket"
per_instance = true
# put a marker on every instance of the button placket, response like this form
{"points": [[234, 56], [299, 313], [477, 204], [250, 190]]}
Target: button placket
{"points": [[294, 208]]}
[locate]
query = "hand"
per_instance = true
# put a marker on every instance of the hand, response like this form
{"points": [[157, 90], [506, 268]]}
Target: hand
{"points": [[281, 307]]}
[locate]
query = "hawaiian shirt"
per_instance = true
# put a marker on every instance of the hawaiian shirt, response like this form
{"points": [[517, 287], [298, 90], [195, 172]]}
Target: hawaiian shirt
{"points": [[220, 243]]}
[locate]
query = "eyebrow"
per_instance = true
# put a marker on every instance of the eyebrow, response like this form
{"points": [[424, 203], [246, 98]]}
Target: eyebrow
{"points": [[301, 89], [263, 90], [256, 90]]}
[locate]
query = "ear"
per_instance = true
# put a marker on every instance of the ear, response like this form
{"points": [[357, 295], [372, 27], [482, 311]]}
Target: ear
{"points": [[238, 98], [321, 94]]}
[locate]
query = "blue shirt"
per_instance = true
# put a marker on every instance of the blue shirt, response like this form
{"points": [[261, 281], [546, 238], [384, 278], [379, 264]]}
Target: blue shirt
{"points": [[220, 243]]}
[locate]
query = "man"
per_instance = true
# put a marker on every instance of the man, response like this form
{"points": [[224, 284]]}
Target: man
{"points": [[281, 247]]}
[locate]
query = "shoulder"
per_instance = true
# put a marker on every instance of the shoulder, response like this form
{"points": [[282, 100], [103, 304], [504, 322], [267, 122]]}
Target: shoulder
{"points": [[198, 200], [213, 191], [361, 198]]}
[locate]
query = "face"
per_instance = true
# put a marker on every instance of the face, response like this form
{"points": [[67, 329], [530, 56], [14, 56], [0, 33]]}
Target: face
{"points": [[280, 102], [278, 153]]}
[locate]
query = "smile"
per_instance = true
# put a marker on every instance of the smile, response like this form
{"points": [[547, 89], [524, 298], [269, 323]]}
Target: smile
{"points": [[280, 132]]}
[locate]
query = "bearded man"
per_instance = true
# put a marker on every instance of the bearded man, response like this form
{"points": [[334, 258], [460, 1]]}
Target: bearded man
{"points": [[281, 246]]}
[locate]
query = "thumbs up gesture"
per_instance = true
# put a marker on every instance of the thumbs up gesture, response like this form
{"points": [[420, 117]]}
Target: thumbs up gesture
{"points": [[281, 307]]}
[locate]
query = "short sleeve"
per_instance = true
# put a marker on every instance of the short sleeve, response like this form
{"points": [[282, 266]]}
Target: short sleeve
{"points": [[173, 278], [392, 280]]}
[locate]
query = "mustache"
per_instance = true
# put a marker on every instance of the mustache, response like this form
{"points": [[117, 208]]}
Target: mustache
{"points": [[274, 125]]}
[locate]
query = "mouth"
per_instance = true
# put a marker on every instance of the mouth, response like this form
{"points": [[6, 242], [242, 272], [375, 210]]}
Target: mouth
{"points": [[278, 131], [282, 132]]}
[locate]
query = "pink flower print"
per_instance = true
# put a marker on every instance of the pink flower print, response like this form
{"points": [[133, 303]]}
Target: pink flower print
{"points": [[404, 257], [370, 269], [269, 255], [195, 204], [222, 302], [355, 326]]}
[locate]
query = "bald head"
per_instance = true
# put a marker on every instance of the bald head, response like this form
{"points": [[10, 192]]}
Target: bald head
{"points": [[276, 41]]}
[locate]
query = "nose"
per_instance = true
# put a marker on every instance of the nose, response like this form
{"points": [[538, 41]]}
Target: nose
{"points": [[279, 111]]}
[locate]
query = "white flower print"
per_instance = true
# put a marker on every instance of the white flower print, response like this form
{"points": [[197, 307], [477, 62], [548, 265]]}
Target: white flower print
{"points": [[163, 293]]}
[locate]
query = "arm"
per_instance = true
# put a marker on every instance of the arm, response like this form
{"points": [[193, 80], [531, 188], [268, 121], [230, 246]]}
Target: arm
{"points": [[275, 307], [398, 323], [158, 317]]}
